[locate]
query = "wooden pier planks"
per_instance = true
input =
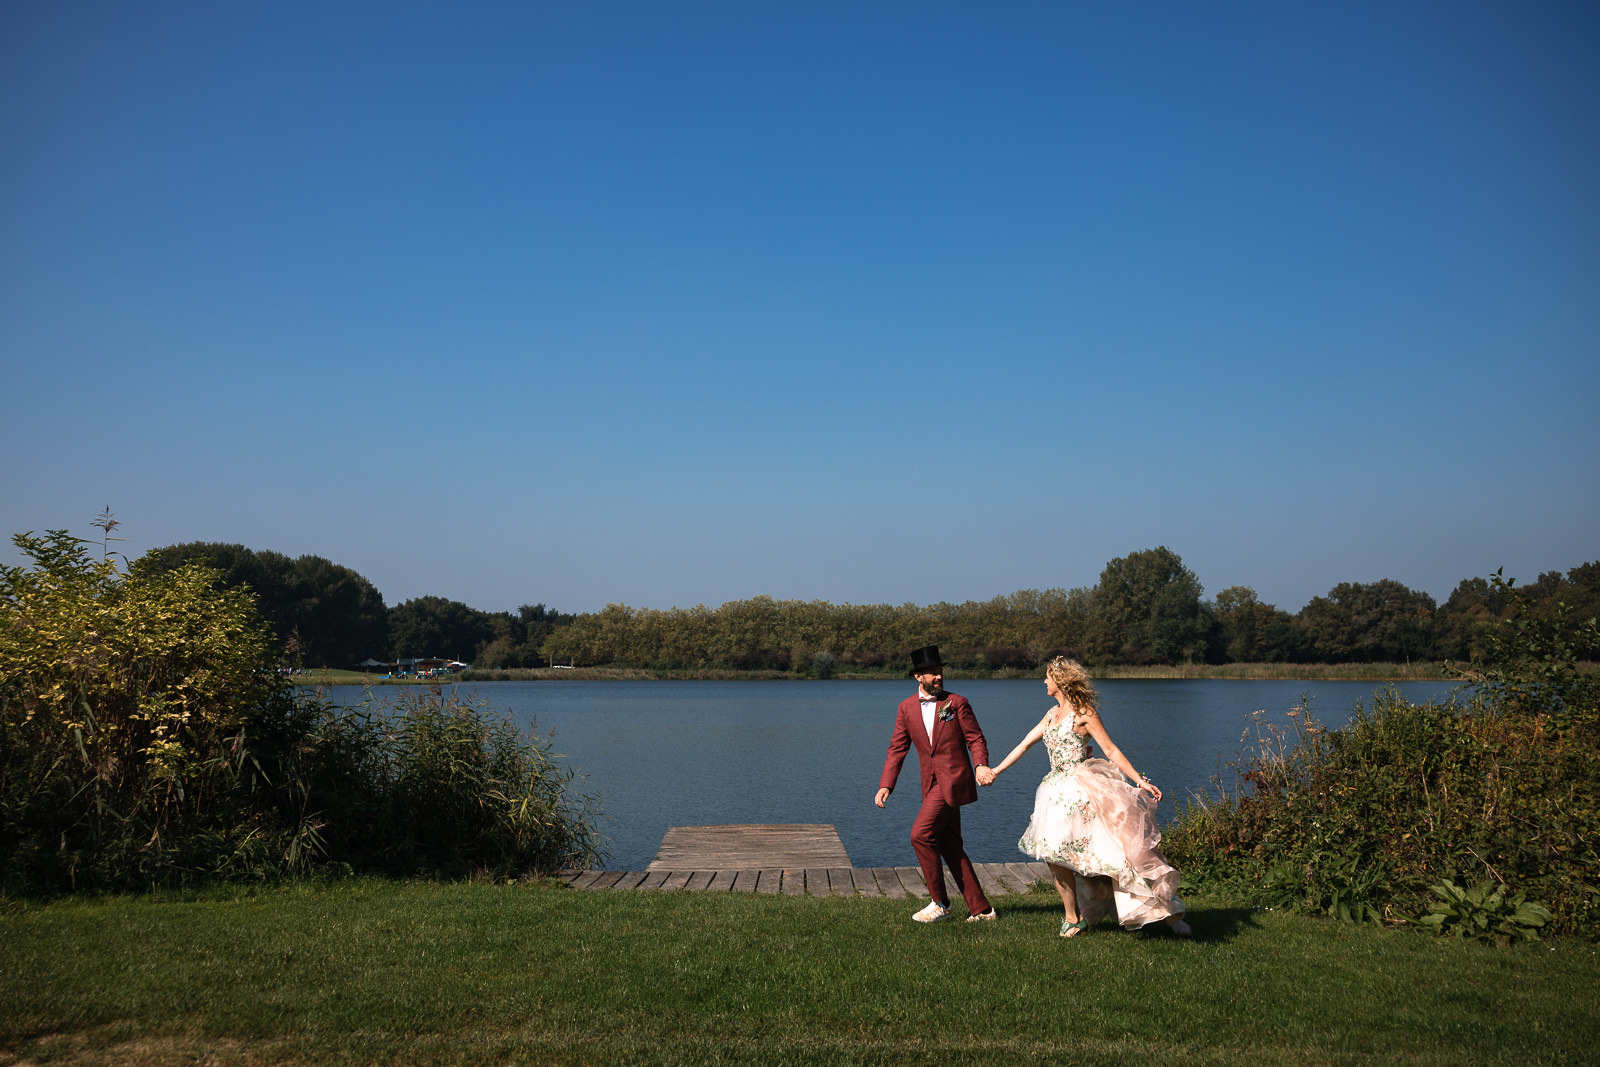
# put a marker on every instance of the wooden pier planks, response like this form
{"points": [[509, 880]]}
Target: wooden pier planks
{"points": [[792, 860], [750, 847], [997, 879]]}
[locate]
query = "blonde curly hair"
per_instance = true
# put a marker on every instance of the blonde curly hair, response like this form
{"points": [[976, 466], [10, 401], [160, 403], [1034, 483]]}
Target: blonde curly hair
{"points": [[1073, 681]]}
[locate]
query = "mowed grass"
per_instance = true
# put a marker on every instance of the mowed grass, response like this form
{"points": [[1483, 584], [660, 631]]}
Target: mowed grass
{"points": [[381, 972]]}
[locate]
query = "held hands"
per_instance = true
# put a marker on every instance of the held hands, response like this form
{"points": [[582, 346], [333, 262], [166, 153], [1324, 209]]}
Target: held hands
{"points": [[986, 776]]}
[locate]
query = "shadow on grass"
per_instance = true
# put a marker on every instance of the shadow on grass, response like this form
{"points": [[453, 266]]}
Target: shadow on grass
{"points": [[1211, 925]]}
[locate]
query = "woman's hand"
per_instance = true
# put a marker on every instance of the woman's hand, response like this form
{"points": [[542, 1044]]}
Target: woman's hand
{"points": [[1150, 787]]}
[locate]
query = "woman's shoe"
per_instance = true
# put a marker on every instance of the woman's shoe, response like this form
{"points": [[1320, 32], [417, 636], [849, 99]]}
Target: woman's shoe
{"points": [[1073, 929]]}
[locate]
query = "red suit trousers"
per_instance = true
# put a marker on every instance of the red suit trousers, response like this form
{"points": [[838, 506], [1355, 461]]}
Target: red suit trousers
{"points": [[936, 836]]}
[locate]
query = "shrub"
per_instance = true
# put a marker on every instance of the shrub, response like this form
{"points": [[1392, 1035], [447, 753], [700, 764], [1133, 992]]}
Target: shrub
{"points": [[438, 784], [1362, 822], [1366, 822], [144, 741], [125, 702]]}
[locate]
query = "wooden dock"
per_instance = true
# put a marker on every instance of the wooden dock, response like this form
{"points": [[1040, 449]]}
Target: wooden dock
{"points": [[789, 859], [750, 847]]}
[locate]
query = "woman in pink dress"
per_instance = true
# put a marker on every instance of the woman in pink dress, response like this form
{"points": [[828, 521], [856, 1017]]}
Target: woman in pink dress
{"points": [[1093, 826]]}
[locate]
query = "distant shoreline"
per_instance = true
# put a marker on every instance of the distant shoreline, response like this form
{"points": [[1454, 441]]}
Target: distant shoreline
{"points": [[1309, 672]]}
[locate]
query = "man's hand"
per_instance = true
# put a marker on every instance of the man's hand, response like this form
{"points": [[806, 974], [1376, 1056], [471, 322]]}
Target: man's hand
{"points": [[883, 795], [985, 775]]}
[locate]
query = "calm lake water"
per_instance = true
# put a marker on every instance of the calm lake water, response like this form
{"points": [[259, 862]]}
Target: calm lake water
{"points": [[663, 754]]}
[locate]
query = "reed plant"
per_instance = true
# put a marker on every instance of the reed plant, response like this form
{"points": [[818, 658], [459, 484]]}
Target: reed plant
{"points": [[436, 782]]}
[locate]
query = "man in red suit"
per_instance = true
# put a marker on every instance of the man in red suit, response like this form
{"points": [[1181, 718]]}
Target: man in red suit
{"points": [[943, 728]]}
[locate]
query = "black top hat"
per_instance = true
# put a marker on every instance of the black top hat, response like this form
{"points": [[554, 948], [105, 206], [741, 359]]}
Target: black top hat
{"points": [[924, 660]]}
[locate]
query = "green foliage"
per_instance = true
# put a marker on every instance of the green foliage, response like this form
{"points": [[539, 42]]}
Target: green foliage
{"points": [[1147, 609], [1486, 912], [434, 626], [438, 784], [320, 613], [1531, 666], [1367, 821], [518, 638], [127, 703], [1364, 621], [145, 740], [768, 634], [1475, 614], [1248, 631]]}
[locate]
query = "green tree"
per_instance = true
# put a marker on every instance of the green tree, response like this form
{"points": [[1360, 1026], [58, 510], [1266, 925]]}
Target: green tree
{"points": [[1532, 665], [1248, 631], [1378, 621], [434, 626], [269, 575], [1575, 595], [1147, 608], [1465, 622], [518, 638], [335, 616], [339, 616]]}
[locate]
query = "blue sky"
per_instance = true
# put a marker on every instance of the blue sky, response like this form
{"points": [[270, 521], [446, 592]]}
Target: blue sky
{"points": [[669, 304]]}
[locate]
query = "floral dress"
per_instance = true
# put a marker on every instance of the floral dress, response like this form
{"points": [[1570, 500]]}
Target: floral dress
{"points": [[1089, 818]]}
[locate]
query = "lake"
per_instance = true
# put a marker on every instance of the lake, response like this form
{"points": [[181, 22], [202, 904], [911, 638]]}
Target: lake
{"points": [[663, 754]]}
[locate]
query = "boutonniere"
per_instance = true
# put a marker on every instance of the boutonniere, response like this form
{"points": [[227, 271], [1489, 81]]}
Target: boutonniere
{"points": [[945, 713]]}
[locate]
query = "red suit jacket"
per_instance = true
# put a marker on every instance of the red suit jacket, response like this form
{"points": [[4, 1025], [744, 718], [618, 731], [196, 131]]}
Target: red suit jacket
{"points": [[944, 762]]}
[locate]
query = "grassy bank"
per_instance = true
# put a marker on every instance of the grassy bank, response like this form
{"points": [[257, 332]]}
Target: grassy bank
{"points": [[375, 972]]}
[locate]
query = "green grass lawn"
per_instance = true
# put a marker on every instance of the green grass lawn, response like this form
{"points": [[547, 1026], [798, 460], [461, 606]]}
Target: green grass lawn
{"points": [[376, 972]]}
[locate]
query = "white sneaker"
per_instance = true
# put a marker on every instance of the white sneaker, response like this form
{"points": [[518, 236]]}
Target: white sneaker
{"points": [[984, 916], [932, 913]]}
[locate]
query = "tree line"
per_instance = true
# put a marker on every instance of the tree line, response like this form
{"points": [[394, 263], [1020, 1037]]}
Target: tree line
{"points": [[322, 614], [1146, 608]]}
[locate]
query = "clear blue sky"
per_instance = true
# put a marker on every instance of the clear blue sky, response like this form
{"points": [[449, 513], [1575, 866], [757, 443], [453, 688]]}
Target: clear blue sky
{"points": [[669, 304]]}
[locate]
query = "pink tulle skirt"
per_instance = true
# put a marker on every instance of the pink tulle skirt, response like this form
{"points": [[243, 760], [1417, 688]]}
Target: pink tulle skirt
{"points": [[1091, 820]]}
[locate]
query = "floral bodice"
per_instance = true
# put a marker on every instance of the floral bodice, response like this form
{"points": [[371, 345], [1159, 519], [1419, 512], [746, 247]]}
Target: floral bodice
{"points": [[1067, 749]]}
